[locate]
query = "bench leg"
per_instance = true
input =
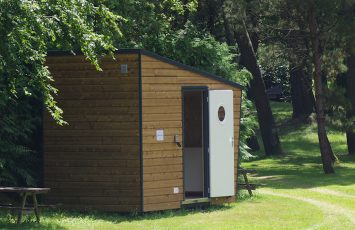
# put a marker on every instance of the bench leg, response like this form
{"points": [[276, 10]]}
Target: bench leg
{"points": [[19, 217], [35, 205], [247, 184]]}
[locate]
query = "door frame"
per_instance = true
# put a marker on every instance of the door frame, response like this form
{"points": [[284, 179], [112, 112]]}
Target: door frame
{"points": [[205, 133]]}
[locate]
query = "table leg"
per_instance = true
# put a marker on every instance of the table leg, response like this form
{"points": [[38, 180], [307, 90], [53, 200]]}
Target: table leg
{"points": [[35, 205], [247, 184], [19, 217]]}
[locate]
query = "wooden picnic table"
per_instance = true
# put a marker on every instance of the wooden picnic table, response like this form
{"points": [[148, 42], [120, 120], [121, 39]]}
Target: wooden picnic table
{"points": [[24, 193]]}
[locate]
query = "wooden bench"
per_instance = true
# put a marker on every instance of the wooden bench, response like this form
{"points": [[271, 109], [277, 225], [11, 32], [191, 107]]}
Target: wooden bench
{"points": [[246, 185], [24, 193]]}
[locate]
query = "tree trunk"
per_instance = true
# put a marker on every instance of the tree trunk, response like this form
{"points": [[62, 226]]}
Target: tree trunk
{"points": [[325, 148], [350, 139], [350, 86], [301, 93], [252, 141], [268, 130], [350, 75]]}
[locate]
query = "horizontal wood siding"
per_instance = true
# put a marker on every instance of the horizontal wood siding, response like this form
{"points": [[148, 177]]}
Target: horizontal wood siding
{"points": [[162, 109], [94, 163]]}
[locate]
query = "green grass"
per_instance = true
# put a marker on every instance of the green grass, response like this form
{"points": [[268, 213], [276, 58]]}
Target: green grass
{"points": [[298, 174], [282, 111], [297, 194], [241, 215]]}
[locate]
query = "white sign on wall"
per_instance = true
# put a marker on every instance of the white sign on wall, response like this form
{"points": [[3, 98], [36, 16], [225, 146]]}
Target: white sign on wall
{"points": [[160, 135]]}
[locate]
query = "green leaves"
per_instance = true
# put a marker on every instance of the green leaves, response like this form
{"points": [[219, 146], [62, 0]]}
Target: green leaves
{"points": [[206, 53], [28, 29]]}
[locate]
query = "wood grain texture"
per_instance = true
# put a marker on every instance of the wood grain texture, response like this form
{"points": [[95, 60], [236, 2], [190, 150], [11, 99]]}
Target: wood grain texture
{"points": [[162, 109], [93, 163]]}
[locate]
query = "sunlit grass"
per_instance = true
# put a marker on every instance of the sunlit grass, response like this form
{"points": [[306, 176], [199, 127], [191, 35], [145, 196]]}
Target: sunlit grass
{"points": [[299, 171], [256, 213]]}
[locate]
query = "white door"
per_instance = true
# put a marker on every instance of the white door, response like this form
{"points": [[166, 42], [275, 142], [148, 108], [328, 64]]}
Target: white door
{"points": [[221, 143]]}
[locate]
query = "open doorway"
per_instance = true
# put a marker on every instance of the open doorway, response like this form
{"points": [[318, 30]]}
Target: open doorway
{"points": [[195, 142]]}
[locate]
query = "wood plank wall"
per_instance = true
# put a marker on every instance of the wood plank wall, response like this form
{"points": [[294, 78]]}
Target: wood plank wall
{"points": [[162, 109], [93, 163]]}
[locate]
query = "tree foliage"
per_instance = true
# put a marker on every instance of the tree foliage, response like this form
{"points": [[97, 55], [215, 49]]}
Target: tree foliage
{"points": [[28, 29], [162, 27]]}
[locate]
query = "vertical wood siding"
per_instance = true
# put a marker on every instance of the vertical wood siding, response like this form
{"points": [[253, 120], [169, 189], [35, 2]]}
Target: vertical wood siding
{"points": [[93, 163], [162, 109]]}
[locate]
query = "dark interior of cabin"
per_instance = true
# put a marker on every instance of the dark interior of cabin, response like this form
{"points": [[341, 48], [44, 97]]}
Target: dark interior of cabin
{"points": [[193, 145]]}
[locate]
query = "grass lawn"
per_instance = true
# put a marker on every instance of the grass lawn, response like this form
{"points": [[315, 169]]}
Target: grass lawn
{"points": [[297, 194]]}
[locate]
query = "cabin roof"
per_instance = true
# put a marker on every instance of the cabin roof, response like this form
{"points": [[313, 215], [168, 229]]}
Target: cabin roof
{"points": [[161, 58]]}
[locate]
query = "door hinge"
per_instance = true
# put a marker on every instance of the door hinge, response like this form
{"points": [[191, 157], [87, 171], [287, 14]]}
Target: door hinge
{"points": [[207, 99], [208, 149], [208, 190]]}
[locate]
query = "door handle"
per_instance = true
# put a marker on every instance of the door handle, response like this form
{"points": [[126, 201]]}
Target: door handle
{"points": [[177, 140], [231, 139]]}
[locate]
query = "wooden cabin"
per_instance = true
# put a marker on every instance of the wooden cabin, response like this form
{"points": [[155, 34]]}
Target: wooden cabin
{"points": [[147, 133]]}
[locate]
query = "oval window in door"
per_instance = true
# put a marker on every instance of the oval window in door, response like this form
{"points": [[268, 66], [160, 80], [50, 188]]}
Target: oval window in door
{"points": [[221, 113]]}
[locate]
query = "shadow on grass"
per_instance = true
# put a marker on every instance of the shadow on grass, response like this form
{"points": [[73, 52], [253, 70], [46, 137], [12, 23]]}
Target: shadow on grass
{"points": [[7, 221], [295, 171], [53, 219], [300, 166]]}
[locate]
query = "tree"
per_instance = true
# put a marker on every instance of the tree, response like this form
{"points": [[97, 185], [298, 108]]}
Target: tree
{"points": [[318, 21], [284, 29], [28, 29], [349, 34], [325, 148], [341, 109], [268, 130], [171, 27], [301, 92], [302, 97], [248, 44], [314, 29], [150, 23], [350, 75]]}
